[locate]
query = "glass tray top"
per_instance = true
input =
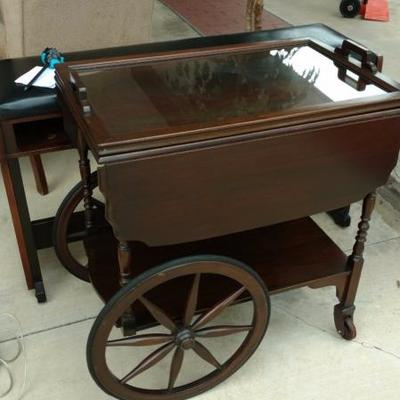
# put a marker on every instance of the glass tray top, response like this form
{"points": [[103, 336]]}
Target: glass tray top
{"points": [[201, 90]]}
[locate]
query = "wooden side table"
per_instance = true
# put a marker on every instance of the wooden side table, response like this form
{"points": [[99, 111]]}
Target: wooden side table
{"points": [[29, 136]]}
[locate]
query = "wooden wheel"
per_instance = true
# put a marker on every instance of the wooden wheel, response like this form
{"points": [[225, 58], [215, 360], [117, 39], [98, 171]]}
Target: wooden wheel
{"points": [[179, 342], [71, 228]]}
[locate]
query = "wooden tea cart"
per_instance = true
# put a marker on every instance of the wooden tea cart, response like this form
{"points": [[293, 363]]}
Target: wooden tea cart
{"points": [[210, 162]]}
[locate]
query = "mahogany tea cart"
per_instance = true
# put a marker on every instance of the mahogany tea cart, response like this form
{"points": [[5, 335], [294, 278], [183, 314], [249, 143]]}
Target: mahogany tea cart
{"points": [[210, 162]]}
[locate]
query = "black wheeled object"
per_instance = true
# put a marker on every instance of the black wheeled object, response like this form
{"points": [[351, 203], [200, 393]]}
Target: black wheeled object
{"points": [[350, 8]]}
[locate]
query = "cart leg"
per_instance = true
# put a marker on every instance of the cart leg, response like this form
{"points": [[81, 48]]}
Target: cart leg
{"points": [[128, 323], [343, 312], [39, 174], [84, 168], [124, 260]]}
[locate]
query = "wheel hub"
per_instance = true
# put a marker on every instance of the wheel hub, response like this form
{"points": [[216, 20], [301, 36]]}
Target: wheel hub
{"points": [[185, 338]]}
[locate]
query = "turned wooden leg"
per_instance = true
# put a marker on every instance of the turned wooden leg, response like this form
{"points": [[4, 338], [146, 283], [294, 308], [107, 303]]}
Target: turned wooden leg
{"points": [[127, 322], [39, 174], [84, 168], [254, 14], [344, 311], [124, 260]]}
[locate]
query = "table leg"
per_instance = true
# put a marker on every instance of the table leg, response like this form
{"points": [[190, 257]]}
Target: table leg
{"points": [[23, 227], [345, 309], [128, 322], [124, 260], [39, 174], [84, 169]]}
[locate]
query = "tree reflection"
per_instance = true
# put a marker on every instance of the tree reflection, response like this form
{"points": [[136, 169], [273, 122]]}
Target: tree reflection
{"points": [[229, 86]]}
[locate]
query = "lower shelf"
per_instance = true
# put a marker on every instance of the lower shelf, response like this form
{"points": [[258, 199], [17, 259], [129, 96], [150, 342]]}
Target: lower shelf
{"points": [[287, 255]]}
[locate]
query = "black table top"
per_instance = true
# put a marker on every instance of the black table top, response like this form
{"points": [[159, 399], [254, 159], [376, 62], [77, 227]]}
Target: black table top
{"points": [[15, 103]]}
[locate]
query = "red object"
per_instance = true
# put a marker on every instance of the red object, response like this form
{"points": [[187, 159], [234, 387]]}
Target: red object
{"points": [[216, 17], [376, 10], [363, 7]]}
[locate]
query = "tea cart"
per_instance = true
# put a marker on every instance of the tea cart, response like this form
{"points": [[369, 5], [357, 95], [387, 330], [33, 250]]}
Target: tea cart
{"points": [[209, 163]]}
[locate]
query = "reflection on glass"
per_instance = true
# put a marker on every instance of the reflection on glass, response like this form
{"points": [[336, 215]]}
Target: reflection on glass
{"points": [[327, 81], [233, 86]]}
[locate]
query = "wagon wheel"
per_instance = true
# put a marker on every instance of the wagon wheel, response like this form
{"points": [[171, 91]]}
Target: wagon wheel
{"points": [[187, 335], [70, 228]]}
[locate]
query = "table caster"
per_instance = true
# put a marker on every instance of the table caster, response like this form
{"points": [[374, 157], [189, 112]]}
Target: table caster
{"points": [[344, 322], [349, 330], [40, 293]]}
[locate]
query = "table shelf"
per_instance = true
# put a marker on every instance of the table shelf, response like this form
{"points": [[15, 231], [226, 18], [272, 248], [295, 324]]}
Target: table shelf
{"points": [[286, 256], [40, 136]]}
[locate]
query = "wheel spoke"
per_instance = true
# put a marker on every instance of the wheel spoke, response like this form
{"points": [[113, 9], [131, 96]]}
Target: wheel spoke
{"points": [[192, 301], [149, 361], [141, 340], [176, 366], [159, 314], [217, 309], [222, 330], [205, 354]]}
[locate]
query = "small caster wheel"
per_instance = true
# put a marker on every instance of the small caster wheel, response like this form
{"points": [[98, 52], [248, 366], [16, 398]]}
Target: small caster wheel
{"points": [[350, 8], [343, 317], [40, 293], [348, 331]]}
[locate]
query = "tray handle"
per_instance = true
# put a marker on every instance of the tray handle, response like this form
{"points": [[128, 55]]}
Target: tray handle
{"points": [[369, 60], [80, 92]]}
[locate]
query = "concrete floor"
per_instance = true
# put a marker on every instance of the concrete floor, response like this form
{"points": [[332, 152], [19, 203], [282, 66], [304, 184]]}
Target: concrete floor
{"points": [[301, 357]]}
